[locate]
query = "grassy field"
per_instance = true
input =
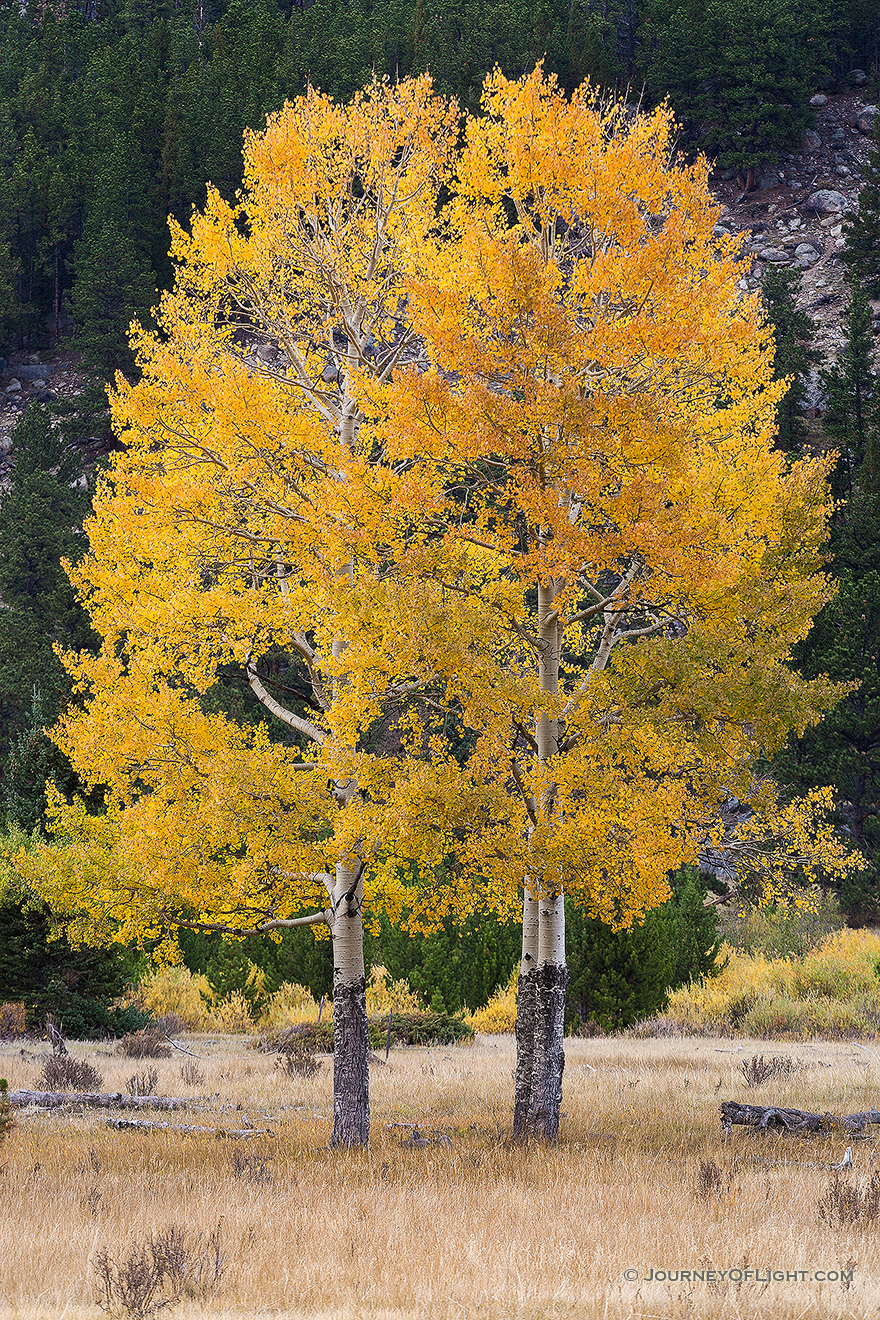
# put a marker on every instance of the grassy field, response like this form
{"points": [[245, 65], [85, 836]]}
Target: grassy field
{"points": [[642, 1180]]}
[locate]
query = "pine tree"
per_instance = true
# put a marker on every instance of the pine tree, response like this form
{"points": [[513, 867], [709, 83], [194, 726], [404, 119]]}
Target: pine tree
{"points": [[40, 521], [861, 250], [793, 331], [843, 750], [849, 387]]}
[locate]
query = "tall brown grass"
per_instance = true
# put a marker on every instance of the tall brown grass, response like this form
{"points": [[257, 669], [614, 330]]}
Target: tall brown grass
{"points": [[477, 1228]]}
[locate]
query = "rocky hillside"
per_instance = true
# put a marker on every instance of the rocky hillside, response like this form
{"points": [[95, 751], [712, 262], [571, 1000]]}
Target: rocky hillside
{"points": [[792, 217]]}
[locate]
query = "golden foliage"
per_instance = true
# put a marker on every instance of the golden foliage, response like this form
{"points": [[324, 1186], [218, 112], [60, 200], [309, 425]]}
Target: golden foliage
{"points": [[499, 1015], [833, 990], [501, 468]]}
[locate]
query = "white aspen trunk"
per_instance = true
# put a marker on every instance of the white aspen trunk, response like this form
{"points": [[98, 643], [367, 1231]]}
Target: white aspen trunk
{"points": [[351, 1101], [543, 973], [551, 981], [351, 1080], [525, 1017]]}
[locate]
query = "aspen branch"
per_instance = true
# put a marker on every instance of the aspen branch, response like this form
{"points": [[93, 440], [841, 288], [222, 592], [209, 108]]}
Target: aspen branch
{"points": [[275, 923], [281, 712]]}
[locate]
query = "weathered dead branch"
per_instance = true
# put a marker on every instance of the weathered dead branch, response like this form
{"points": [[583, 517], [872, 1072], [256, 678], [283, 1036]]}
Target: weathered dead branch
{"points": [[100, 1100], [775, 1119], [186, 1129]]}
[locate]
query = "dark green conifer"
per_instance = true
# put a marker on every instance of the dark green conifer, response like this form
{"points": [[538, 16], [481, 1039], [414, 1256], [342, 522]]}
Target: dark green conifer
{"points": [[793, 330], [861, 249], [843, 750], [41, 518]]}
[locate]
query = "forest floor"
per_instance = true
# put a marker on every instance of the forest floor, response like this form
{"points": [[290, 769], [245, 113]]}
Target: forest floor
{"points": [[642, 1184]]}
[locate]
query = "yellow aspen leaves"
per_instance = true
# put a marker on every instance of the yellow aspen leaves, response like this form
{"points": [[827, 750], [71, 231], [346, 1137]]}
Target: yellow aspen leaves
{"points": [[419, 378]]}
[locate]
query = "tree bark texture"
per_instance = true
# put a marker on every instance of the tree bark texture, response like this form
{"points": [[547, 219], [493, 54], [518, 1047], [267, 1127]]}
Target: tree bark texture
{"points": [[525, 1053], [351, 1096], [351, 1101], [545, 1101]]}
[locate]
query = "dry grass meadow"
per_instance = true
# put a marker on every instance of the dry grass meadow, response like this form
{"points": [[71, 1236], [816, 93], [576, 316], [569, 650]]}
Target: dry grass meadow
{"points": [[642, 1179]]}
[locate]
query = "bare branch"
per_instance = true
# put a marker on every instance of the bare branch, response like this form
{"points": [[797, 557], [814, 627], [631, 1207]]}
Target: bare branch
{"points": [[281, 712], [275, 923]]}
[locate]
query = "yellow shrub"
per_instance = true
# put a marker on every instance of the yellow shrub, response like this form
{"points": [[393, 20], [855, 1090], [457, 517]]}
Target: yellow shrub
{"points": [[499, 1015], [834, 990], [384, 994], [842, 965], [231, 1014], [176, 990], [290, 1003]]}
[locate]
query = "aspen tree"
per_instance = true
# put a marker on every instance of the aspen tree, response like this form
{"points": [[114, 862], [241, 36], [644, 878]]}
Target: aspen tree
{"points": [[632, 559], [245, 518]]}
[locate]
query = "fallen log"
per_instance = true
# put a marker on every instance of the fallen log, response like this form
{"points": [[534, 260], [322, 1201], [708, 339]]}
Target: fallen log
{"points": [[187, 1129], [100, 1100], [774, 1118]]}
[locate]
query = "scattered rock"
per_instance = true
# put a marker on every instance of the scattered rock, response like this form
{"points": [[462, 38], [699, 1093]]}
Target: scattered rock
{"points": [[827, 200], [767, 179], [774, 254], [812, 141], [35, 371], [867, 119], [806, 255], [13, 387], [819, 99]]}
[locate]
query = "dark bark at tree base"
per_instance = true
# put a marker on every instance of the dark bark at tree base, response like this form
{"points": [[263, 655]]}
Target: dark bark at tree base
{"points": [[773, 1119], [546, 1094], [525, 1053], [540, 1058], [351, 1093]]}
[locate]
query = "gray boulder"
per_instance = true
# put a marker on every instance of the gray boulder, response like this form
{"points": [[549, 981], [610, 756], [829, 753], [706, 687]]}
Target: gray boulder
{"points": [[14, 386], [856, 77], [812, 141], [35, 371], [806, 255], [774, 254], [767, 179], [827, 200], [819, 99], [867, 120]]}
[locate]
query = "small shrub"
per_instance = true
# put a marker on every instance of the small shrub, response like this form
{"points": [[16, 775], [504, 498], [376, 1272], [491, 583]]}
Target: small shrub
{"points": [[191, 1074], [845, 1204], [168, 1267], [288, 1005], [296, 1056], [63, 1073], [171, 1023], [317, 1036], [406, 1029], [148, 1043], [709, 1181], [383, 994], [251, 1168], [7, 1118], [143, 1083], [232, 1014], [757, 1070], [13, 1018]]}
